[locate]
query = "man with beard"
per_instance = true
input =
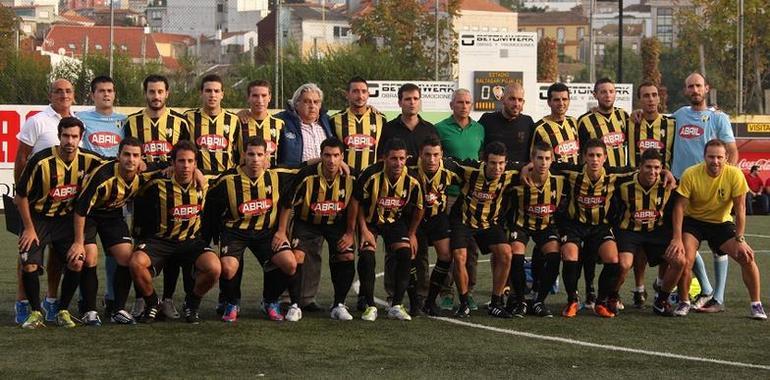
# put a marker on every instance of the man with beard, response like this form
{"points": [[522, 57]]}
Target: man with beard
{"points": [[509, 125]]}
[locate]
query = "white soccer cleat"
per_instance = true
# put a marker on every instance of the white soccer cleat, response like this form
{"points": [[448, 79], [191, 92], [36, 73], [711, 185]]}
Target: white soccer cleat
{"points": [[398, 312], [340, 313], [294, 313], [370, 314]]}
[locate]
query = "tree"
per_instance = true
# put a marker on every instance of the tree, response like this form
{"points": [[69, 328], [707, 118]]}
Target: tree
{"points": [[650, 70], [547, 60], [8, 28]]}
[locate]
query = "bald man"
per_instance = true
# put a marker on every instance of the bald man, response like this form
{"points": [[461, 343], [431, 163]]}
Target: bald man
{"points": [[509, 126]]}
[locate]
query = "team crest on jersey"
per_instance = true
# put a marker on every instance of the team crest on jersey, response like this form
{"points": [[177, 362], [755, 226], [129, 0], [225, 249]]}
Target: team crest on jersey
{"points": [[268, 189], [169, 131], [342, 193], [721, 193], [226, 129], [373, 128], [273, 132]]}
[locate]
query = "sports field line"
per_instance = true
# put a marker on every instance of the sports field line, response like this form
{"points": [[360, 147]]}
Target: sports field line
{"points": [[581, 343], [758, 236]]}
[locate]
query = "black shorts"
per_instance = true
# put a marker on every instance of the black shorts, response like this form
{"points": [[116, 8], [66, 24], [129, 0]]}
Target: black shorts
{"points": [[234, 242], [392, 233], [586, 235], [653, 242], [540, 238], [715, 234], [162, 251], [461, 236], [112, 229], [436, 227], [308, 237], [57, 231]]}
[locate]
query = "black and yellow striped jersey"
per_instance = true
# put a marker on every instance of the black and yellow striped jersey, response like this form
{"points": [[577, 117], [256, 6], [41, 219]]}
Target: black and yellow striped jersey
{"points": [[315, 199], [590, 201], [360, 134], [642, 210], [563, 137], [169, 210], [383, 201], [434, 187], [536, 206], [268, 129], [244, 203], [609, 128], [106, 190], [658, 134], [51, 185], [482, 201], [215, 138], [158, 136]]}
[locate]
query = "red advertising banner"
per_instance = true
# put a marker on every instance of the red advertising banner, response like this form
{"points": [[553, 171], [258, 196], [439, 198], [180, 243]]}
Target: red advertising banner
{"points": [[749, 159]]}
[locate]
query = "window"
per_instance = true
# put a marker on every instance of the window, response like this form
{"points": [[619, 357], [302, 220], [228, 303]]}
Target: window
{"points": [[341, 32], [665, 26], [540, 33], [220, 8], [71, 46], [600, 50], [581, 32], [560, 36]]}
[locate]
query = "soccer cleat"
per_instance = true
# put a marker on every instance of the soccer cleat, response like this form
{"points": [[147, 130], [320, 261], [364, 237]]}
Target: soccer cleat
{"points": [[21, 311], [758, 312], [682, 309], [64, 319], [341, 313], [34, 320], [122, 317], [273, 311], [663, 308], [590, 301], [138, 309], [91, 318], [463, 311], [431, 309], [230, 313], [50, 309], [712, 306], [149, 314], [519, 310], [191, 315], [361, 303], [447, 303], [398, 312], [601, 309], [370, 314], [498, 311], [168, 309], [701, 300], [294, 314], [540, 310], [639, 298], [472, 305], [570, 311]]}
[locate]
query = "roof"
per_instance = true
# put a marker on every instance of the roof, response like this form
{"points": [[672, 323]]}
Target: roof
{"points": [[71, 38], [73, 17], [551, 18], [641, 8], [313, 12], [233, 34], [170, 38], [482, 6]]}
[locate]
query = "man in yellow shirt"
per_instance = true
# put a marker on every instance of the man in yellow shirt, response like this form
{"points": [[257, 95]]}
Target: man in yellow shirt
{"points": [[707, 193]]}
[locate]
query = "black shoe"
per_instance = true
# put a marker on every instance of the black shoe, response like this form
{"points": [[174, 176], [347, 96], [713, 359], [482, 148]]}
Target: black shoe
{"points": [[416, 311], [663, 307], [540, 310], [519, 310], [499, 312], [150, 314], [191, 315], [431, 309], [109, 307], [361, 304], [463, 311], [311, 308], [639, 299]]}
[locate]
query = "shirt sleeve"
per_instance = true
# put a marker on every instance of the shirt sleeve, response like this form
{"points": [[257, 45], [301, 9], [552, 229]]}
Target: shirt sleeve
{"points": [[29, 132], [740, 186]]}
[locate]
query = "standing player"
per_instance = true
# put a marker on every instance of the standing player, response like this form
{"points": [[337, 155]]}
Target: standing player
{"points": [[708, 192], [258, 121], [319, 197], [558, 129], [390, 203], [45, 196], [174, 234], [359, 126]]}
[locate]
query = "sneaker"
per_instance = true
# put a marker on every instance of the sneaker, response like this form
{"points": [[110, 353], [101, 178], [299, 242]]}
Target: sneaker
{"points": [[191, 315], [682, 309], [590, 301], [370, 314], [138, 309], [701, 301], [91, 318], [472, 303], [64, 319], [149, 314], [34, 320], [498, 311], [447, 303], [273, 311], [109, 307], [294, 314], [361, 303], [168, 309], [311, 308], [463, 311], [341, 313], [50, 309], [540, 310], [712, 306], [230, 313], [398, 312], [431, 309], [122, 317], [21, 311], [758, 312], [601, 309], [570, 311], [663, 307], [639, 298]]}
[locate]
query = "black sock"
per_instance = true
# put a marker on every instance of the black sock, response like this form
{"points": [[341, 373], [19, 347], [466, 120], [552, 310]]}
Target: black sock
{"points": [[342, 278], [188, 277], [137, 291], [226, 289], [411, 289], [538, 267], [275, 283], [663, 296], [497, 300], [69, 284], [589, 271], [295, 285], [170, 278], [237, 284], [192, 301], [608, 278], [518, 278], [437, 278], [151, 300], [570, 277], [463, 299], [550, 274], [366, 265], [401, 275], [122, 285], [89, 283], [31, 281]]}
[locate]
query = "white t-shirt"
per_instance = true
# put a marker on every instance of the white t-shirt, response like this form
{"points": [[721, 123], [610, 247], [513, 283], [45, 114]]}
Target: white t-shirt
{"points": [[41, 130]]}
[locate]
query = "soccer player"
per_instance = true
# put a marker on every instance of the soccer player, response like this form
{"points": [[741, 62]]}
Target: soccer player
{"points": [[45, 196], [644, 205], [174, 233], [258, 121], [247, 198], [359, 126], [319, 196], [707, 193], [509, 125], [477, 216], [390, 203], [536, 203], [558, 129]]}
